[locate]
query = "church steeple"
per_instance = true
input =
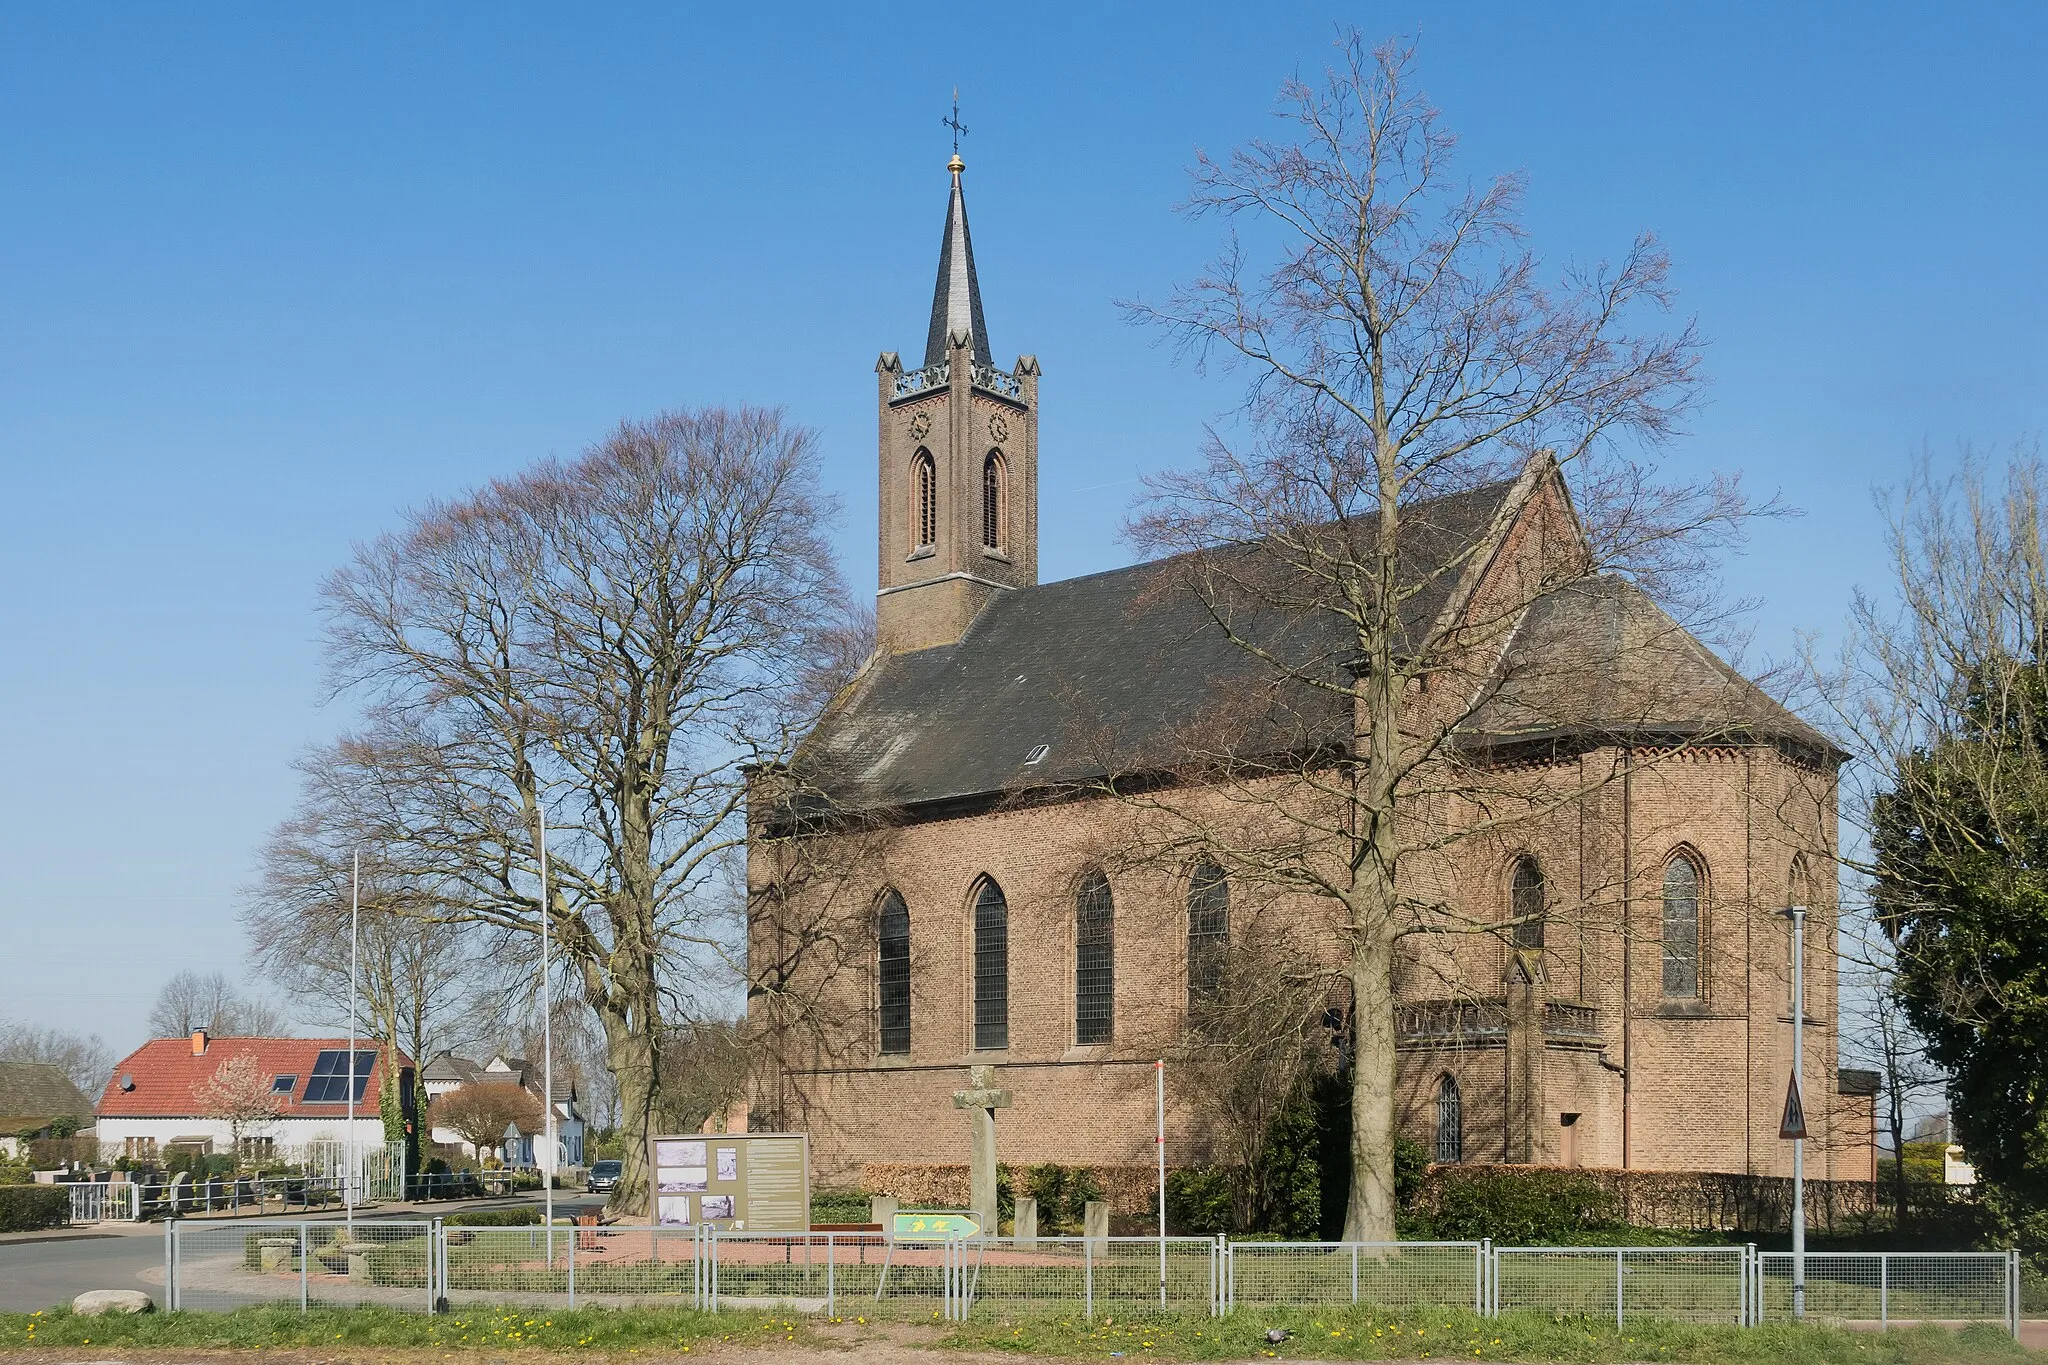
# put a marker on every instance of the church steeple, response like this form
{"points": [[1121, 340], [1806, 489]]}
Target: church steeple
{"points": [[959, 463], [956, 301]]}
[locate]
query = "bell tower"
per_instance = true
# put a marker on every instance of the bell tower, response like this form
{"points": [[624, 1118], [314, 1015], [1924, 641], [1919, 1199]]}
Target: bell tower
{"points": [[958, 463]]}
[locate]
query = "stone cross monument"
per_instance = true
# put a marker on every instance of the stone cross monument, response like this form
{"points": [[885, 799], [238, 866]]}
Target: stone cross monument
{"points": [[981, 1100]]}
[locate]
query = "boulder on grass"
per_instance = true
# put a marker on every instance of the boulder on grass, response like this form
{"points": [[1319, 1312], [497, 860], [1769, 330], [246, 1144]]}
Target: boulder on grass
{"points": [[94, 1302]]}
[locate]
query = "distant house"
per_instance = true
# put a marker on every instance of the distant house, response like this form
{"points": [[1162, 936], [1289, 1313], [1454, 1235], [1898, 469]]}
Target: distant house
{"points": [[34, 1095], [152, 1105], [448, 1072]]}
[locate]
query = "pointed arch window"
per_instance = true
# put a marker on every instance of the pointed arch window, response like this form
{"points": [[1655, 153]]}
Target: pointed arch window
{"points": [[924, 485], [1450, 1120], [993, 497], [1798, 891], [1094, 960], [991, 967], [1682, 928], [1526, 902], [1208, 940], [893, 973]]}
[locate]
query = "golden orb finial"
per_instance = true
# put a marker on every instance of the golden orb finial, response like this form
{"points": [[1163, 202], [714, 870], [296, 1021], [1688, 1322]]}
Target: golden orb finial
{"points": [[956, 165]]}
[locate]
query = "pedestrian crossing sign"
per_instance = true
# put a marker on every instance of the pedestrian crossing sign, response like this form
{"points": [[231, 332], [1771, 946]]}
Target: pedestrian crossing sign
{"points": [[1793, 1125]]}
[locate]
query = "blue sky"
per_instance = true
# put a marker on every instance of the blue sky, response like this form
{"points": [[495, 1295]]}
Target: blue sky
{"points": [[272, 274]]}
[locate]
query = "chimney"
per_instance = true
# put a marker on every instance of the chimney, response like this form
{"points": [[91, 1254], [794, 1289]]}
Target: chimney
{"points": [[199, 1042]]}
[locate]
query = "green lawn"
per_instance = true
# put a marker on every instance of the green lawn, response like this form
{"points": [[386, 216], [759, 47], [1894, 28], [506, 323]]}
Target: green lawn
{"points": [[1361, 1334]]}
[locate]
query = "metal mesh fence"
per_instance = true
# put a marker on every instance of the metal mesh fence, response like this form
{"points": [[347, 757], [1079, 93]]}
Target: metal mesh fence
{"points": [[1094, 1274], [232, 1265], [1883, 1287], [616, 1266], [1680, 1284], [1384, 1274], [421, 1265]]}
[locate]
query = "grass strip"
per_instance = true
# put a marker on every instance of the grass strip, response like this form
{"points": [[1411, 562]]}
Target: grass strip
{"points": [[481, 1328], [1362, 1334], [1366, 1334]]}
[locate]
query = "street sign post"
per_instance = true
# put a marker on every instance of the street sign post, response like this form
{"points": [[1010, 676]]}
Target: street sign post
{"points": [[1793, 1125]]}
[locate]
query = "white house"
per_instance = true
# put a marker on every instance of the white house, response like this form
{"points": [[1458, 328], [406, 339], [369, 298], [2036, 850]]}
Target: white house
{"points": [[448, 1072], [152, 1104]]}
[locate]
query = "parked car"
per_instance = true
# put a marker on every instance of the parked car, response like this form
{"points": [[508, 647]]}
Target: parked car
{"points": [[604, 1175]]}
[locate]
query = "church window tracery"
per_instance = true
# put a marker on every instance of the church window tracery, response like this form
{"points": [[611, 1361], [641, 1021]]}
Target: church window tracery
{"points": [[1094, 960], [992, 497], [1682, 927], [1208, 938], [1526, 902], [1450, 1120], [991, 967], [893, 973], [924, 483]]}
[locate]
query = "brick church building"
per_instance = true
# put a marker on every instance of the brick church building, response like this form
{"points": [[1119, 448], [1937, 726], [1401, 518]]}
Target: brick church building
{"points": [[957, 906]]}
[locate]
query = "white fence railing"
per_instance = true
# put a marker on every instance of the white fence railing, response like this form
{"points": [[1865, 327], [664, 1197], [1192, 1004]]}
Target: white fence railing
{"points": [[105, 1201], [428, 1265]]}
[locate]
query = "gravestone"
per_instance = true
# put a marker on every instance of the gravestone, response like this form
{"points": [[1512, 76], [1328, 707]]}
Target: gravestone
{"points": [[181, 1191], [882, 1209], [981, 1099], [1095, 1224], [1026, 1229]]}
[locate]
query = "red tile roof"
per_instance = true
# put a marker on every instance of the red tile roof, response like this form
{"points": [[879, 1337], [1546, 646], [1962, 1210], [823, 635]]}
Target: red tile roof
{"points": [[167, 1075]]}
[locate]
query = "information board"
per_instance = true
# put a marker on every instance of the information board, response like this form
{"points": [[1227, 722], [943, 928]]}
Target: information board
{"points": [[745, 1182]]}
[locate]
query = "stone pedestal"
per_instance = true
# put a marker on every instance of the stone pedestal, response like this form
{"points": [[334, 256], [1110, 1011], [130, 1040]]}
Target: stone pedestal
{"points": [[276, 1252], [1095, 1224], [882, 1209], [981, 1100], [1025, 1229], [358, 1254]]}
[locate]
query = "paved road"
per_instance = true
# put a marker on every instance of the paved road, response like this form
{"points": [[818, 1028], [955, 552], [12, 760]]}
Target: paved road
{"points": [[37, 1275]]}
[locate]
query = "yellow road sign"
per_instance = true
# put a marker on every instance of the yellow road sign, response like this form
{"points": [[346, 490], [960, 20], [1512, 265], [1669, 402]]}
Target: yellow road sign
{"points": [[935, 1226]]}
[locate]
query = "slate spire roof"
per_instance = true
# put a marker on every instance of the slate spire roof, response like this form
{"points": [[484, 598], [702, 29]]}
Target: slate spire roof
{"points": [[956, 301]]}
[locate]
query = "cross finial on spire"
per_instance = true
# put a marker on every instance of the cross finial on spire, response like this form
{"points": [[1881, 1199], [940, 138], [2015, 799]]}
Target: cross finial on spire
{"points": [[954, 123]]}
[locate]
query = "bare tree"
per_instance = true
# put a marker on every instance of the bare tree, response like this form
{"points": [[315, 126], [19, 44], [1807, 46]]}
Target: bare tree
{"points": [[414, 977], [239, 1094], [1876, 1032], [1403, 356], [707, 1069], [84, 1058], [191, 1001], [605, 646], [480, 1112]]}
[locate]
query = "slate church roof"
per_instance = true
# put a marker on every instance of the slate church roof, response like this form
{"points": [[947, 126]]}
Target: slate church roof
{"points": [[1057, 683], [956, 299]]}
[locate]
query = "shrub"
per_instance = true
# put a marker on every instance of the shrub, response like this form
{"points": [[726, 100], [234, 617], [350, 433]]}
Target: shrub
{"points": [[1199, 1200], [839, 1206], [1519, 1208], [525, 1216], [27, 1208]]}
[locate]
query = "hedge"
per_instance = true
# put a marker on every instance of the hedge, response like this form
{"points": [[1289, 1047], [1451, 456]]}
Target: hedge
{"points": [[525, 1216], [26, 1208]]}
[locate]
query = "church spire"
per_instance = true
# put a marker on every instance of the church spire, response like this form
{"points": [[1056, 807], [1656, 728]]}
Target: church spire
{"points": [[956, 302]]}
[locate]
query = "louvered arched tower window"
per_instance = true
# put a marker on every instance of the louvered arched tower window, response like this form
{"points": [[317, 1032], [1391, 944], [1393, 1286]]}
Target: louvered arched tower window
{"points": [[991, 967], [1525, 903], [924, 499], [993, 494], [893, 972], [1094, 960], [1450, 1120], [1208, 939], [1682, 927]]}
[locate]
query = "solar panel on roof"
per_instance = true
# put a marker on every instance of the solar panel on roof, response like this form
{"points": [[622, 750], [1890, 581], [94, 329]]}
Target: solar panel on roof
{"points": [[329, 1082]]}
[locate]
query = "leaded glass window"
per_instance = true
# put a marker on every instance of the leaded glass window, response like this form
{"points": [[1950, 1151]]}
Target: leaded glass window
{"points": [[991, 967], [1208, 939], [893, 930], [1450, 1120], [992, 500], [1681, 928], [1525, 903], [1094, 960]]}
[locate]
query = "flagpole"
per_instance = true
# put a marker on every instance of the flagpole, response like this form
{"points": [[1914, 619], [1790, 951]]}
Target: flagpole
{"points": [[547, 1053], [348, 1175], [1799, 1143]]}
